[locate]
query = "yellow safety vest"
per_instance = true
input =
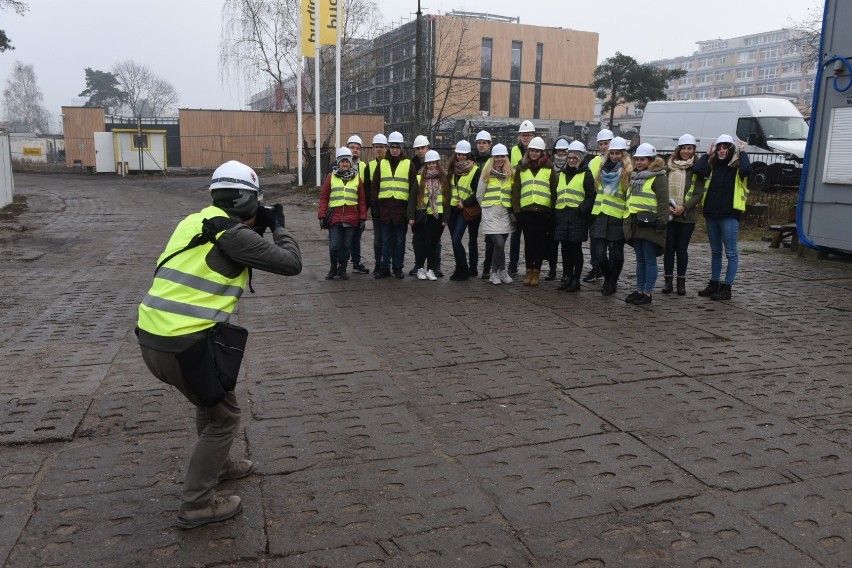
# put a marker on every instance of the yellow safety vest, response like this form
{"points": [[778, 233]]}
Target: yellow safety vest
{"points": [[535, 189], [343, 193], [187, 296], [516, 156], [394, 185], [426, 199], [740, 191], [612, 205], [570, 193], [362, 167], [461, 188], [643, 200], [497, 192], [595, 165], [372, 166]]}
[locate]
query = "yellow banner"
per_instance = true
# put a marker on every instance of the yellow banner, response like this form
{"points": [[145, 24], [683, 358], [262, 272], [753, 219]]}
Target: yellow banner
{"points": [[332, 16], [309, 28], [32, 151]]}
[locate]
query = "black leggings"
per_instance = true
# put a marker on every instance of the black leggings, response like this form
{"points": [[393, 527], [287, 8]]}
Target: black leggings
{"points": [[534, 225], [610, 256]]}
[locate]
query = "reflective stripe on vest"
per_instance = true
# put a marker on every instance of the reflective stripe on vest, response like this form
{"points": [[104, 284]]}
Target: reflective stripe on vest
{"points": [[394, 185], [461, 188], [740, 191], [643, 200], [186, 295], [570, 194], [426, 199], [613, 205], [343, 193], [535, 189], [497, 192]]}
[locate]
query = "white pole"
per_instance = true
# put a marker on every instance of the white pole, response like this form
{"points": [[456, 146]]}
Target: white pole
{"points": [[317, 90], [299, 67], [337, 80]]}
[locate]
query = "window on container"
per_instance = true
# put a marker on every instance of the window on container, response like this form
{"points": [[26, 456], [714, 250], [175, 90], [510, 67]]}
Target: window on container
{"points": [[515, 74], [515, 100], [140, 142]]}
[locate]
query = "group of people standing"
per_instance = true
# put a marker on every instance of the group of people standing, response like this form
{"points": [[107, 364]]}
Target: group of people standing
{"points": [[555, 201]]}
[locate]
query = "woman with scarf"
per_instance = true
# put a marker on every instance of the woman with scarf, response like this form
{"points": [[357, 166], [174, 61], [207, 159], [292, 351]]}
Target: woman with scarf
{"points": [[607, 231], [342, 211], [726, 168], [572, 191], [429, 212], [647, 216], [686, 190], [494, 194], [464, 177], [532, 205], [559, 157]]}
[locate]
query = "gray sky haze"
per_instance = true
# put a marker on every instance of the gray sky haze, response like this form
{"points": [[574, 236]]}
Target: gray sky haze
{"points": [[179, 39]]}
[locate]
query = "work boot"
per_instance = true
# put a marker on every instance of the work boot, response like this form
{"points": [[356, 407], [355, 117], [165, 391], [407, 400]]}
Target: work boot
{"points": [[594, 274], [711, 289], [527, 276], [397, 272], [222, 508], [609, 287], [681, 285], [573, 284], [567, 283], [384, 272], [360, 269], [722, 293], [236, 469], [460, 273], [332, 272], [667, 287], [536, 275], [341, 271]]}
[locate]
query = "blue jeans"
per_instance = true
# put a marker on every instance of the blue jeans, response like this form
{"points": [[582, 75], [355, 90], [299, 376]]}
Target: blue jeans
{"points": [[723, 231], [377, 240], [339, 243], [678, 236], [646, 265], [393, 245], [459, 225], [356, 246]]}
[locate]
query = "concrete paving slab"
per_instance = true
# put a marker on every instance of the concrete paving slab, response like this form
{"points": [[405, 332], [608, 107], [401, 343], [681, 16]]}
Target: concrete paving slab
{"points": [[442, 351], [602, 367], [138, 413], [582, 477], [13, 518], [30, 420], [41, 381], [53, 355], [19, 470], [269, 357], [834, 427]]}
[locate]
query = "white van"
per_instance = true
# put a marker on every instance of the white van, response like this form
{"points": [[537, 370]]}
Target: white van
{"points": [[773, 129]]}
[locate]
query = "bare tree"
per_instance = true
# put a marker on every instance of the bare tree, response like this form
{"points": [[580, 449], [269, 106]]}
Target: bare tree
{"points": [[805, 40], [145, 93], [453, 92], [24, 101], [19, 8]]}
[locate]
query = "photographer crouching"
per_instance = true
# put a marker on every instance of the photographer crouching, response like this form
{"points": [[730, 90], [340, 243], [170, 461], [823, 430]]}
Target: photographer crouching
{"points": [[183, 327]]}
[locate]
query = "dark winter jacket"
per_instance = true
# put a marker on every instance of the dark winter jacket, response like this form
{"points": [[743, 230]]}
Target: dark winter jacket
{"points": [[719, 198], [392, 211], [572, 223]]}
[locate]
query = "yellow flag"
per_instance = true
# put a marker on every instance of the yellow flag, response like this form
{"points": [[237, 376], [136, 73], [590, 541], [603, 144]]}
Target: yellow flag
{"points": [[309, 28], [332, 17]]}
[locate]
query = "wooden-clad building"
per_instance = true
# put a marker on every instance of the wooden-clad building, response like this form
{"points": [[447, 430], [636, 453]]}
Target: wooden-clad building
{"points": [[79, 125]]}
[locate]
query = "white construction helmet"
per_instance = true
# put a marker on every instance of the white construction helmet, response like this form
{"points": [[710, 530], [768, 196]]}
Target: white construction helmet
{"points": [[561, 144], [380, 139], [236, 189], [605, 134], [645, 151], [537, 143], [618, 143], [420, 141], [432, 156], [526, 126], [483, 135], [686, 140], [463, 147], [236, 175], [344, 153], [578, 147], [725, 139], [395, 137], [499, 150], [355, 139]]}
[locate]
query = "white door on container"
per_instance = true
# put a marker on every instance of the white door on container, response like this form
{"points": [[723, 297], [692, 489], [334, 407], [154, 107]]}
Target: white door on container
{"points": [[104, 152]]}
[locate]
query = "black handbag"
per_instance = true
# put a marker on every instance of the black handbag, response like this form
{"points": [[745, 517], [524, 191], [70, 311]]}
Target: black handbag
{"points": [[211, 365], [646, 219]]}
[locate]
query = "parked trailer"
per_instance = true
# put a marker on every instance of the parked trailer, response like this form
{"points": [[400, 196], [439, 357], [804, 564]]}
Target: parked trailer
{"points": [[825, 197]]}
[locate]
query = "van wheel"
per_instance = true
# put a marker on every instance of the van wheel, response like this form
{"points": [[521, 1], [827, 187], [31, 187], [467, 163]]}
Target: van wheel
{"points": [[758, 180]]}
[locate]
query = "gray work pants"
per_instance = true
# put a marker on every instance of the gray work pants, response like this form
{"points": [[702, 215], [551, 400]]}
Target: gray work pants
{"points": [[216, 427]]}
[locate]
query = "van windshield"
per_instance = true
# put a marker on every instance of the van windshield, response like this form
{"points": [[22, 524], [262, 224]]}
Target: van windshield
{"points": [[784, 127]]}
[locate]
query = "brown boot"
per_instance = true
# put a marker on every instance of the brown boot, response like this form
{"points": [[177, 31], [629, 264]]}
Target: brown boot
{"points": [[220, 509], [681, 285], [528, 276], [536, 274], [667, 287]]}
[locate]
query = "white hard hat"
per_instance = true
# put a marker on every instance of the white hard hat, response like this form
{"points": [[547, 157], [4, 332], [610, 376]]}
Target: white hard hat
{"points": [[526, 126], [420, 141], [463, 147], [355, 139], [344, 152], [725, 139], [645, 151], [618, 143], [396, 138], [686, 140], [577, 146], [236, 175], [605, 134], [561, 144], [432, 156], [499, 150], [380, 139], [537, 143], [483, 135]]}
